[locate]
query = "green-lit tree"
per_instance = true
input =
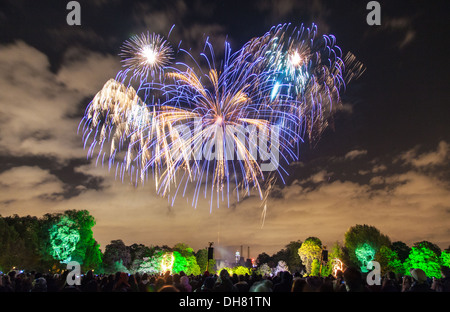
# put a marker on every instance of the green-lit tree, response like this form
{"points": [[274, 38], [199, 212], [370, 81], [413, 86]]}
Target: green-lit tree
{"points": [[429, 245], [423, 258], [188, 254], [389, 261], [87, 251], [310, 249], [64, 237], [202, 258], [445, 258], [361, 237], [365, 253]]}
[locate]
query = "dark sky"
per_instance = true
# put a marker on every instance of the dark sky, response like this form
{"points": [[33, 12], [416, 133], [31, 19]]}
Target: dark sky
{"points": [[385, 161]]}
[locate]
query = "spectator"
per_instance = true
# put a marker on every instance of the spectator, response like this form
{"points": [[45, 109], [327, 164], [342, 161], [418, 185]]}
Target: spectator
{"points": [[224, 283], [122, 284], [299, 285], [353, 280], [419, 281], [285, 284], [184, 284]]}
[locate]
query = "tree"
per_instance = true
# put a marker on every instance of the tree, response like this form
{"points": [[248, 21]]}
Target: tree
{"points": [[426, 244], [241, 270], [137, 254], [389, 261], [365, 253], [152, 265], [401, 249], [360, 237], [281, 267], [445, 258], [264, 270], [64, 237], [293, 259], [187, 253], [423, 258], [310, 249], [116, 252], [263, 258], [202, 258], [87, 251]]}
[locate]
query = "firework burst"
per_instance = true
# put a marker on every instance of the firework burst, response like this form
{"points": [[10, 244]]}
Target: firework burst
{"points": [[146, 54], [224, 131]]}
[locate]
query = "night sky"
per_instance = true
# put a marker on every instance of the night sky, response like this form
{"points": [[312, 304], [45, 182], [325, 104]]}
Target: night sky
{"points": [[384, 161]]}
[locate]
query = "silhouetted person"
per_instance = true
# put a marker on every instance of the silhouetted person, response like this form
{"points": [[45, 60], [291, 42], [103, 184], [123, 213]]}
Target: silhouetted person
{"points": [[285, 284], [419, 281], [353, 280]]}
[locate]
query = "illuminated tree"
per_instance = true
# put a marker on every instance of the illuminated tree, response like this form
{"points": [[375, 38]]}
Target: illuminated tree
{"points": [[445, 258], [365, 254], [64, 237], [389, 261], [425, 259], [87, 251], [310, 249], [264, 270], [152, 265], [185, 260], [241, 270], [116, 252], [363, 235], [281, 267], [202, 259]]}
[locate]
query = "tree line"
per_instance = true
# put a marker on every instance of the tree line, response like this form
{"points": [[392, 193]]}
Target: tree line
{"points": [[48, 243]]}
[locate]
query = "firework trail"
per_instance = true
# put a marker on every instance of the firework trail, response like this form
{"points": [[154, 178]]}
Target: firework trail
{"points": [[214, 130]]}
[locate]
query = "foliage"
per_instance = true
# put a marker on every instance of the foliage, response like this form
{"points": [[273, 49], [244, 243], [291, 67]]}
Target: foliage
{"points": [[116, 251], [365, 253], [281, 267], [241, 270], [202, 260], [423, 258], [64, 237], [426, 244], [185, 260], [264, 270], [401, 249], [445, 258], [389, 261], [310, 249], [358, 235], [151, 265], [264, 258]]}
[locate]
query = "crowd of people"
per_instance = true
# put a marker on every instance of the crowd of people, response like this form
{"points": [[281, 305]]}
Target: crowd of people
{"points": [[351, 280]]}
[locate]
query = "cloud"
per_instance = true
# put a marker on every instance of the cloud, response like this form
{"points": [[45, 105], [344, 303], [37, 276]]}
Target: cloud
{"points": [[86, 71], [37, 103], [26, 187], [355, 154], [439, 157]]}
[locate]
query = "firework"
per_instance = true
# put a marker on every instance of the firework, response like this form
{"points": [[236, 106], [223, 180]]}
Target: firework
{"points": [[147, 53], [224, 131]]}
